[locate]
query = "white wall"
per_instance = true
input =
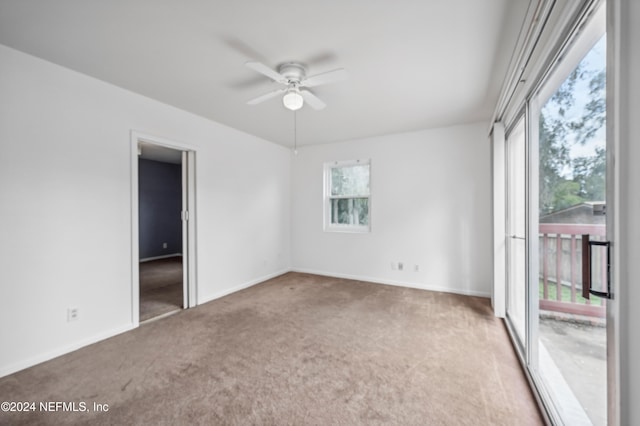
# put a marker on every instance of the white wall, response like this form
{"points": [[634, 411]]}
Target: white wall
{"points": [[430, 206], [65, 206]]}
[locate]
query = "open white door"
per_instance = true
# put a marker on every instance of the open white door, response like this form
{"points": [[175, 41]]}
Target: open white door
{"points": [[188, 229], [185, 230]]}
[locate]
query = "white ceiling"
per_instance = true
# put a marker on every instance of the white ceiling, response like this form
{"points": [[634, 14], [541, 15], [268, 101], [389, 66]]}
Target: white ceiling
{"points": [[412, 64]]}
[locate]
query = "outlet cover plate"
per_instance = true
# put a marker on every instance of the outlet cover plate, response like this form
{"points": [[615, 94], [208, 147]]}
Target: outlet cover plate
{"points": [[72, 314]]}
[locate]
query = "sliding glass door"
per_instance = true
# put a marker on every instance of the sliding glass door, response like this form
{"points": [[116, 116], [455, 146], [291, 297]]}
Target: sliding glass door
{"points": [[569, 255], [558, 263]]}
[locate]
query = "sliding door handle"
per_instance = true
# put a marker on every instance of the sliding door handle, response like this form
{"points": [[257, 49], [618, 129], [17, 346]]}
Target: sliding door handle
{"points": [[586, 268]]}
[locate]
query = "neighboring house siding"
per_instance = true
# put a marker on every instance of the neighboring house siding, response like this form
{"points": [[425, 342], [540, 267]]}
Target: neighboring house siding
{"points": [[581, 213]]}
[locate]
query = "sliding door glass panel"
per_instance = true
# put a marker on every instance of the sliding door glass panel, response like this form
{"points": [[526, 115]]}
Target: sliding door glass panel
{"points": [[516, 232], [571, 171]]}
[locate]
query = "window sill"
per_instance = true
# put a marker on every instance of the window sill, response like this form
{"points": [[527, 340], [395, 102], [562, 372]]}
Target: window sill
{"points": [[348, 229]]}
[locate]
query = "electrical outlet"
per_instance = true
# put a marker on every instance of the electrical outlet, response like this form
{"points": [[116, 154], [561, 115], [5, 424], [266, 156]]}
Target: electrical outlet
{"points": [[416, 268], [164, 245], [400, 266], [72, 314]]}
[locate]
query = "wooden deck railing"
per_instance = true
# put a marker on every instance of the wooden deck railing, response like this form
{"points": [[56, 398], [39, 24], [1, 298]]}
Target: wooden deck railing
{"points": [[561, 266]]}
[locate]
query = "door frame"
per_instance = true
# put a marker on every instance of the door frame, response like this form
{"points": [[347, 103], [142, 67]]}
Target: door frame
{"points": [[613, 105], [189, 198], [521, 342]]}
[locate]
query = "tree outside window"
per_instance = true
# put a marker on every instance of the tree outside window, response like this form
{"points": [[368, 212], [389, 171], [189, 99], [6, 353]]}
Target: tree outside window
{"points": [[572, 137], [347, 196]]}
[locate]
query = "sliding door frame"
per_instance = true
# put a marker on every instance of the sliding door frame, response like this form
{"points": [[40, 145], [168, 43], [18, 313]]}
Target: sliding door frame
{"points": [[523, 341], [512, 111], [613, 132]]}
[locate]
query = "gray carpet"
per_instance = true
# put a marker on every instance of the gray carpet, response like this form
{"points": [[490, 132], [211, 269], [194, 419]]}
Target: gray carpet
{"points": [[160, 287], [298, 349]]}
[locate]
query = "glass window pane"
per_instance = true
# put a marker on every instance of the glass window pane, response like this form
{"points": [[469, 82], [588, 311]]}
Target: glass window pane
{"points": [[350, 180], [350, 211], [572, 338], [572, 138]]}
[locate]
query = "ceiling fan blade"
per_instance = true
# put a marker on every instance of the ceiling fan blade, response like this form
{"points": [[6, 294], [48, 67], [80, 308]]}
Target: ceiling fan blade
{"points": [[324, 78], [266, 96], [313, 101], [265, 70]]}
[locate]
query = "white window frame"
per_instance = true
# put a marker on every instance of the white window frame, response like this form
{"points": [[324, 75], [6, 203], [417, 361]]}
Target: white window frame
{"points": [[332, 227]]}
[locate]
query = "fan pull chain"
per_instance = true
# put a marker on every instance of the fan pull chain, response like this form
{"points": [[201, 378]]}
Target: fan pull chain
{"points": [[295, 134]]}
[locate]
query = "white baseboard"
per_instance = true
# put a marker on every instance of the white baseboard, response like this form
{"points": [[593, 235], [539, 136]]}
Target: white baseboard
{"points": [[374, 280], [30, 362], [164, 256], [242, 286]]}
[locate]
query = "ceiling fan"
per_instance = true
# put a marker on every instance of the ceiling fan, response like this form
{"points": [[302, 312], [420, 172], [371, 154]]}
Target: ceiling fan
{"points": [[293, 76]]}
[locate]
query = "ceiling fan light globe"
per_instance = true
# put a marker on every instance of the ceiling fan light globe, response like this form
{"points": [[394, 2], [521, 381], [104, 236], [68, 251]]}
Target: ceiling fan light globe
{"points": [[293, 100]]}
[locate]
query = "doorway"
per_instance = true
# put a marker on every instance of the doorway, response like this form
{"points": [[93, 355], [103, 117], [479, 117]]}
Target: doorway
{"points": [[160, 230], [163, 229]]}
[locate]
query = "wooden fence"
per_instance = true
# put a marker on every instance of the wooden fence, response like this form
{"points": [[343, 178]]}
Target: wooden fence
{"points": [[561, 269]]}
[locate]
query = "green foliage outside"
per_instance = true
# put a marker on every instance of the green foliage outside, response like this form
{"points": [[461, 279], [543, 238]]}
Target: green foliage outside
{"points": [[574, 115], [565, 293]]}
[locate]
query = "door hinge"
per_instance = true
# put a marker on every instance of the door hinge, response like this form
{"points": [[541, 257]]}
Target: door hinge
{"points": [[184, 214]]}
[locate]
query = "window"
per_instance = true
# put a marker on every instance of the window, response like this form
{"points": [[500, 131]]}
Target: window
{"points": [[346, 201]]}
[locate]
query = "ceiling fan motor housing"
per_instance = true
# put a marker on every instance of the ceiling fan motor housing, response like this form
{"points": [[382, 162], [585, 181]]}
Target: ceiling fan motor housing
{"points": [[292, 71]]}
